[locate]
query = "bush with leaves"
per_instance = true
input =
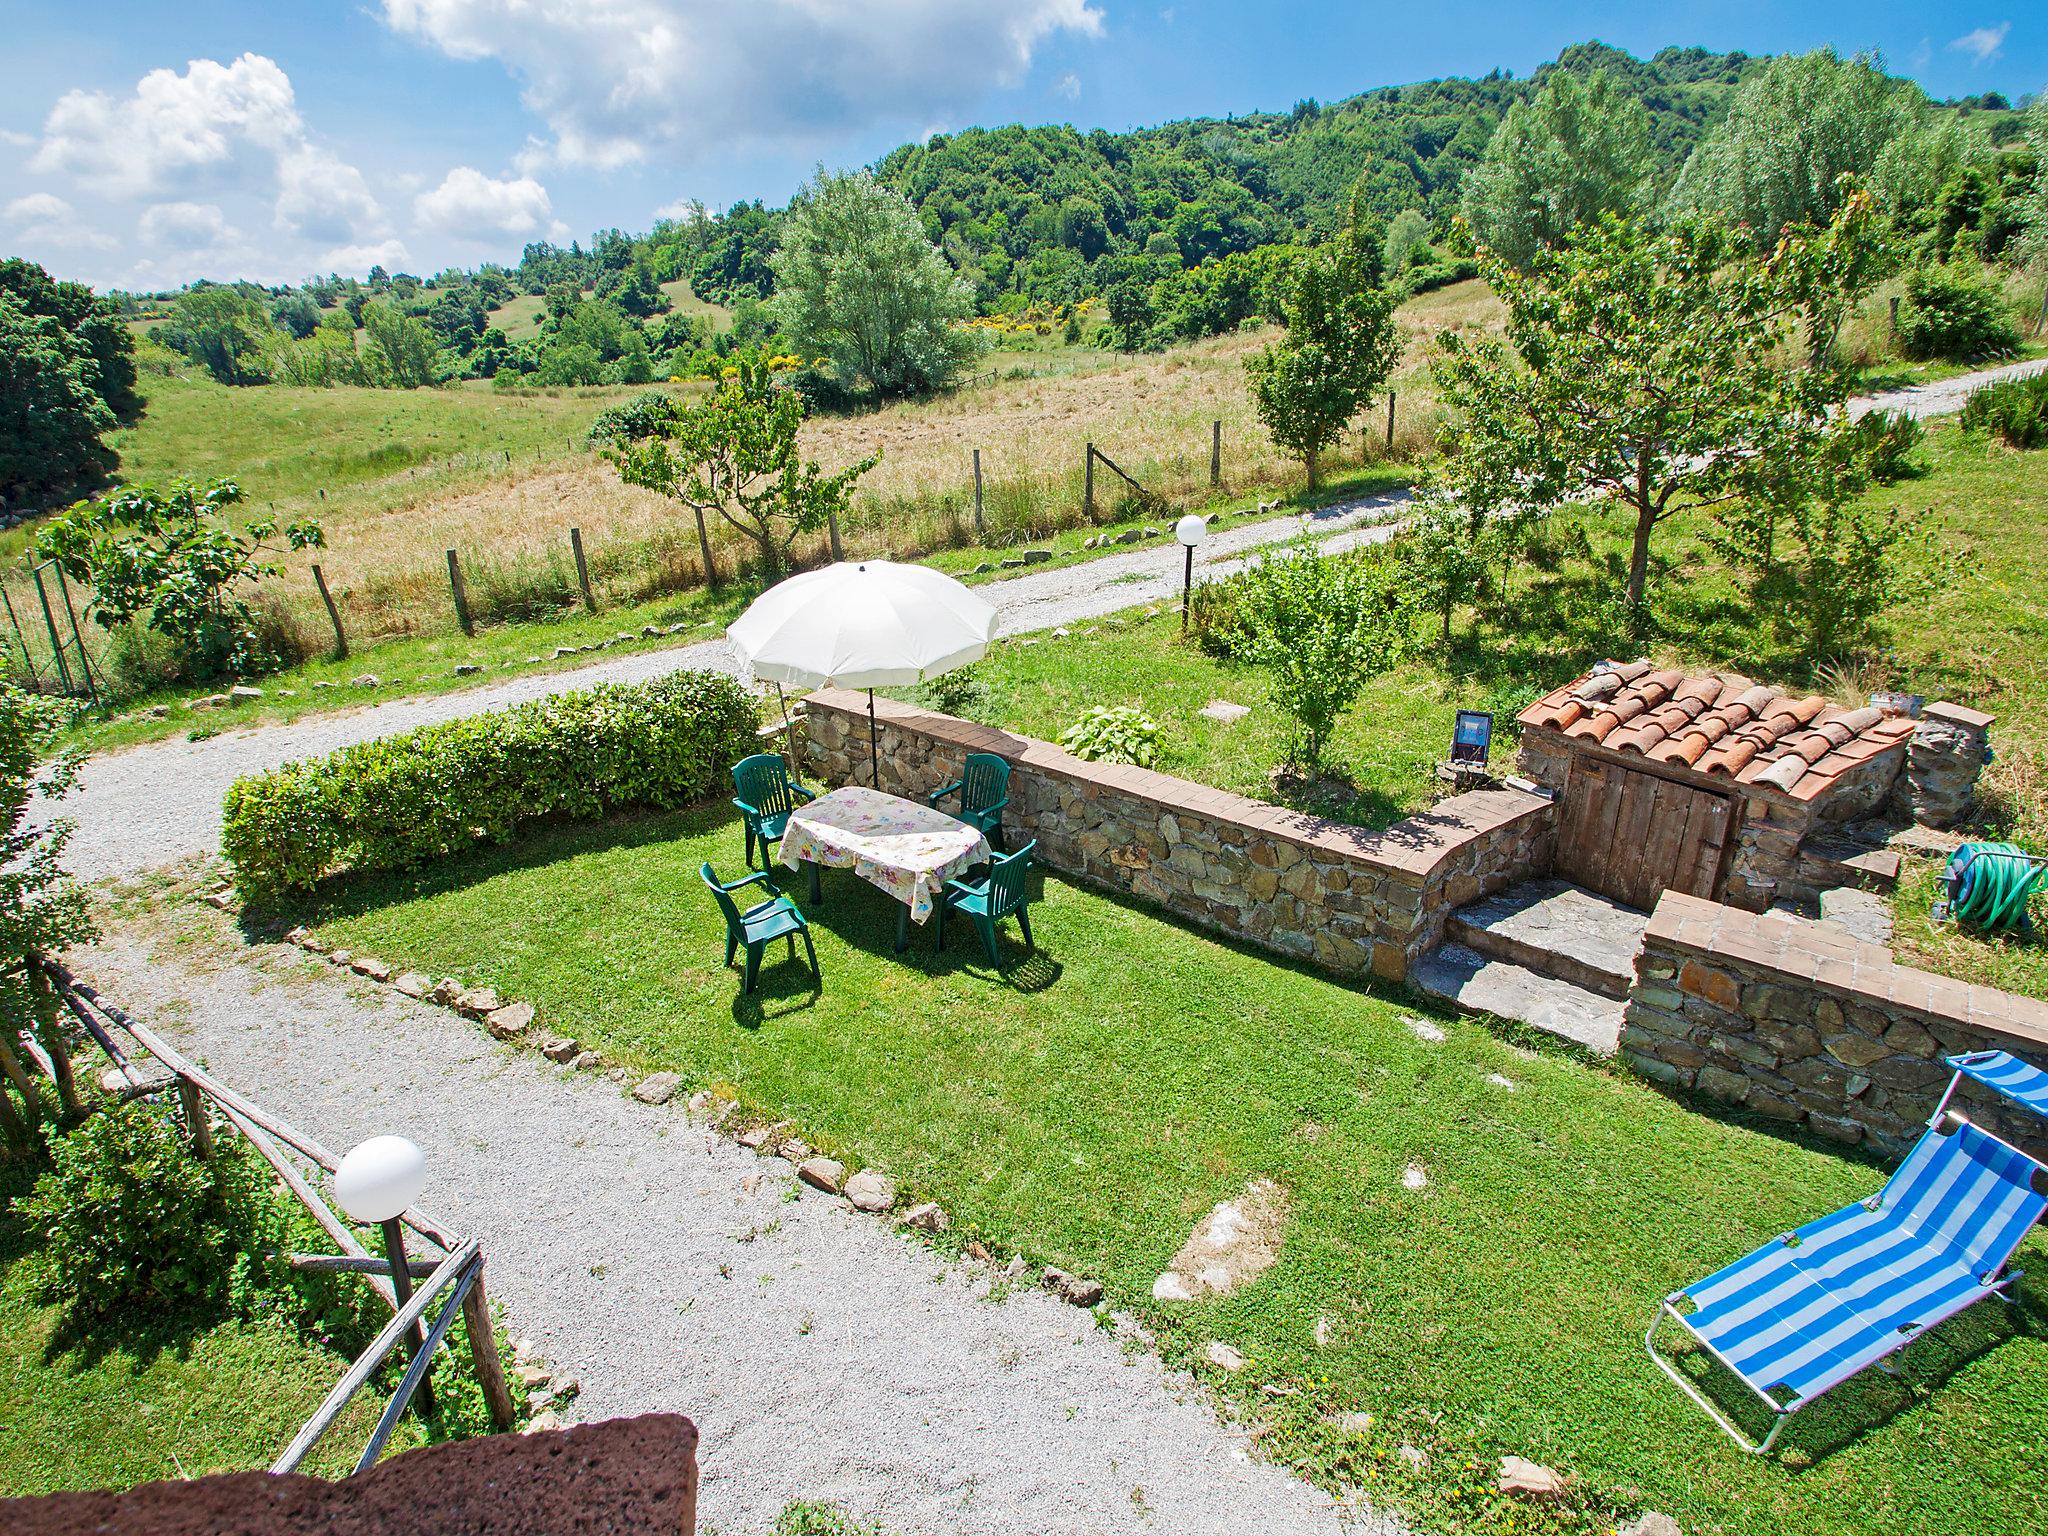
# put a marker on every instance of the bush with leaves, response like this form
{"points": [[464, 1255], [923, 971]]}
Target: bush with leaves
{"points": [[129, 1220], [1119, 734], [1322, 625], [171, 557], [1953, 316], [42, 909], [963, 693], [1885, 442], [2015, 412], [399, 802]]}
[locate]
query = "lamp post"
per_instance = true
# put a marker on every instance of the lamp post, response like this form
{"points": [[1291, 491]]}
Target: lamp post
{"points": [[1190, 530], [374, 1184]]}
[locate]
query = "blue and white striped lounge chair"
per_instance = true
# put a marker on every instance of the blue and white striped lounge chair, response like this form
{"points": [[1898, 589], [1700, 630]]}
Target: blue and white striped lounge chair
{"points": [[1812, 1308]]}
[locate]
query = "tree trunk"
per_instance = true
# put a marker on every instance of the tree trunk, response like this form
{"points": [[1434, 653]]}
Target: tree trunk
{"points": [[1313, 479], [704, 547], [1639, 556]]}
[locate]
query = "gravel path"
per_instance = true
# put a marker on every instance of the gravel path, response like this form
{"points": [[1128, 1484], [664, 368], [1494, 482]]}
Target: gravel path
{"points": [[835, 1361], [160, 803]]}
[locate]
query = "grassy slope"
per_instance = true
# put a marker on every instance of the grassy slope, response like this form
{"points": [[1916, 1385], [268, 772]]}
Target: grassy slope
{"points": [[1086, 1107], [124, 1411]]}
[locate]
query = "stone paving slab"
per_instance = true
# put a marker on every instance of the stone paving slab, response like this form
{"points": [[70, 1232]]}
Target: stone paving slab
{"points": [[1469, 980], [1559, 929]]}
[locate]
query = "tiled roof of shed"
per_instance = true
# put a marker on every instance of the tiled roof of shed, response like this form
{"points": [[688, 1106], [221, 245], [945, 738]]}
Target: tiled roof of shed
{"points": [[1721, 725]]}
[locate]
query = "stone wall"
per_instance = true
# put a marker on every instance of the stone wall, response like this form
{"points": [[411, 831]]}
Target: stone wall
{"points": [[1347, 899], [1806, 1025], [1940, 782]]}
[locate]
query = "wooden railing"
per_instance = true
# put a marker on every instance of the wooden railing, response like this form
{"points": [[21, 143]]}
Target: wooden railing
{"points": [[457, 1269]]}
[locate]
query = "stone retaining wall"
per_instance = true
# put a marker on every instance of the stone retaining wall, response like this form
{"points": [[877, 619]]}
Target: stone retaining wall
{"points": [[1807, 1025], [1347, 899]]}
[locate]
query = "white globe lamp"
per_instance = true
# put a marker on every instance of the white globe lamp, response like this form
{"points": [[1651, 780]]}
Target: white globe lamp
{"points": [[1190, 530], [375, 1183]]}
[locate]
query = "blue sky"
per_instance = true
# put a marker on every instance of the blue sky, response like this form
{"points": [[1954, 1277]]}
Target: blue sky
{"points": [[146, 144]]}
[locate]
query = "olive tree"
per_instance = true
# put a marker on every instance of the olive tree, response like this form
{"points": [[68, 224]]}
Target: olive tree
{"points": [[857, 281]]}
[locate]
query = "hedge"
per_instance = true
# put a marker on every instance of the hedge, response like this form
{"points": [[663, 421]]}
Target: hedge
{"points": [[403, 801]]}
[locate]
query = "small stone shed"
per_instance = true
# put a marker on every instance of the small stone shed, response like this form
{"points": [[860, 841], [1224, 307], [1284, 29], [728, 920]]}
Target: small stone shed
{"points": [[1719, 787]]}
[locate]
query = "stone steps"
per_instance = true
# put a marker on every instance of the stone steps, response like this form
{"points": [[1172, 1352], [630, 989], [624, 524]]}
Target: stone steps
{"points": [[1556, 929], [1461, 976]]}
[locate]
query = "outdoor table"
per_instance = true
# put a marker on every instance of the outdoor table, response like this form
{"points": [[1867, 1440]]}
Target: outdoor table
{"points": [[907, 848]]}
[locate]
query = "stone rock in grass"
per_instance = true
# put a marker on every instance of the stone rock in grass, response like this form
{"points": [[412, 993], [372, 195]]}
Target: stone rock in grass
{"points": [[210, 701], [1238, 1240], [564, 650], [1224, 711], [323, 685], [478, 1002], [826, 1173], [928, 1217], [298, 937], [412, 984], [561, 1048], [370, 966], [1352, 1423], [339, 958], [793, 1149], [976, 1251], [871, 1191], [542, 1422], [586, 1061], [1016, 1268], [1414, 1456], [1423, 1030], [1530, 1480], [242, 693], [1037, 556], [366, 680], [467, 669], [532, 1375], [445, 991], [1075, 1290], [1223, 1356], [1171, 1287], [510, 1021], [1651, 1523], [658, 1089]]}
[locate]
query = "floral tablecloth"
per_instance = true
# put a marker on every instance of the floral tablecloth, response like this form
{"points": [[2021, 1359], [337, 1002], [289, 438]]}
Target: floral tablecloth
{"points": [[909, 850]]}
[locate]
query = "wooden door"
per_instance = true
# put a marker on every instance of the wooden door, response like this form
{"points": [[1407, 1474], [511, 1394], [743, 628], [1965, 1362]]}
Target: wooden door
{"points": [[1634, 835]]}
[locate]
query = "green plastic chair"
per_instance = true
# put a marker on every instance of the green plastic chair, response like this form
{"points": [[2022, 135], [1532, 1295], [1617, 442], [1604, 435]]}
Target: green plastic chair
{"points": [[984, 789], [1002, 893], [766, 796], [759, 925]]}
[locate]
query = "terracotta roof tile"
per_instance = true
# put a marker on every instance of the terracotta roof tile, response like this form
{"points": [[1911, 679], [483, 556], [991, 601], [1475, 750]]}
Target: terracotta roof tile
{"points": [[1725, 725]]}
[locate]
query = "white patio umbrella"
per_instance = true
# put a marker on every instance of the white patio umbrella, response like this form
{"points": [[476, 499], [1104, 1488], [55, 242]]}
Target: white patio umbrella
{"points": [[863, 624]]}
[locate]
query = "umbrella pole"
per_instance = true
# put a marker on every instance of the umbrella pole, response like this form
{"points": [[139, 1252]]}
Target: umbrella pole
{"points": [[874, 745], [788, 730]]}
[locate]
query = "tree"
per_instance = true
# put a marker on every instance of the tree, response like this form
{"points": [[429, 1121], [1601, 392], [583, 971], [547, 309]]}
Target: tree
{"points": [[734, 454], [1642, 366], [1322, 624], [401, 351], [42, 909], [1792, 133], [1581, 148], [2031, 244], [857, 281], [1407, 234], [171, 557], [96, 322], [51, 416], [297, 314], [226, 332], [1340, 346]]}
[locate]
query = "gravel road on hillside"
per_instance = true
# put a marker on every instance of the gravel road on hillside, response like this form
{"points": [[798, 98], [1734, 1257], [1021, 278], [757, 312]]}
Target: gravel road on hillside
{"points": [[160, 803], [831, 1360]]}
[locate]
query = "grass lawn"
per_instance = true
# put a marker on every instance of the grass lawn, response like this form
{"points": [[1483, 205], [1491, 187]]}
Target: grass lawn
{"points": [[109, 1412], [1088, 1103]]}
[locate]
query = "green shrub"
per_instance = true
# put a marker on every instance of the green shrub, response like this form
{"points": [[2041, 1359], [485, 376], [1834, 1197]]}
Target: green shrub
{"points": [[131, 1221], [403, 801], [2016, 412], [1124, 734], [1885, 442], [962, 693], [1952, 316]]}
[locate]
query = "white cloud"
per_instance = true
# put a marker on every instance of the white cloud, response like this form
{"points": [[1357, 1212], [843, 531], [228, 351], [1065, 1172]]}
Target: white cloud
{"points": [[358, 259], [212, 122], [1068, 85], [43, 218], [473, 206], [325, 198], [186, 226], [1983, 43], [618, 80]]}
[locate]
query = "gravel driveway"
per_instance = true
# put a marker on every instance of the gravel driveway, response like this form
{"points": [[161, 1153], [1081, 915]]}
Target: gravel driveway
{"points": [[834, 1360]]}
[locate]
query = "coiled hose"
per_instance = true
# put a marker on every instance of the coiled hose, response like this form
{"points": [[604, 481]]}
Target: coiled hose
{"points": [[1989, 885]]}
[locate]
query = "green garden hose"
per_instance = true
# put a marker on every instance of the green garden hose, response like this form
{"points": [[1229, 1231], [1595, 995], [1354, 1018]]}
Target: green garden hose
{"points": [[1989, 885]]}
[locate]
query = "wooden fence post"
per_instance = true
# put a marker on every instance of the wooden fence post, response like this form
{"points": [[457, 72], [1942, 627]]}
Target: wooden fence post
{"points": [[582, 568], [71, 613], [1390, 421], [50, 622], [1215, 453], [333, 616], [977, 493], [197, 1126], [483, 1351], [1088, 483], [1895, 317], [832, 531], [461, 594]]}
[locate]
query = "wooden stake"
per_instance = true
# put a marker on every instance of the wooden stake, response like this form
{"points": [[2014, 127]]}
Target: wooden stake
{"points": [[1390, 421], [832, 529], [582, 568], [401, 1289], [333, 616], [461, 592], [1215, 453], [978, 526], [197, 1126], [483, 1353], [1088, 483]]}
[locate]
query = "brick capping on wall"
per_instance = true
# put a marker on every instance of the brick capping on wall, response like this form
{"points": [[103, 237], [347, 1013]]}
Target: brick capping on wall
{"points": [[1347, 897], [1804, 1024]]}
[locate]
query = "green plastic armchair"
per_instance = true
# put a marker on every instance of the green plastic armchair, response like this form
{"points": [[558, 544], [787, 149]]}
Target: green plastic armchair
{"points": [[766, 796], [1001, 893], [760, 925], [984, 789]]}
